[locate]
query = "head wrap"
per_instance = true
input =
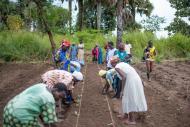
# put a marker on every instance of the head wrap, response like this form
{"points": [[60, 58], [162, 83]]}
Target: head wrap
{"points": [[77, 75], [66, 43], [102, 72]]}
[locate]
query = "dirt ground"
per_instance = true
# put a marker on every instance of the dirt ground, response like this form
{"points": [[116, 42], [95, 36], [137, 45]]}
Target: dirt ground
{"points": [[168, 95]]}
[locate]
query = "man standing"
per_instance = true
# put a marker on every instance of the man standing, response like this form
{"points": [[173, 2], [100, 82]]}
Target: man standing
{"points": [[111, 52]]}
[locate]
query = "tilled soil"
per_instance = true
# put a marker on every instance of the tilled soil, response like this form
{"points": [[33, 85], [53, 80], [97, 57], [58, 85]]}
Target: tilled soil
{"points": [[167, 95]]}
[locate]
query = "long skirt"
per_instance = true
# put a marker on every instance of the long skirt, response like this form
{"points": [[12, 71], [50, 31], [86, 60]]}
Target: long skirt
{"points": [[133, 99]]}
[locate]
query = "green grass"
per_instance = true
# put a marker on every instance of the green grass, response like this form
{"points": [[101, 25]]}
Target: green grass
{"points": [[31, 46], [23, 46]]}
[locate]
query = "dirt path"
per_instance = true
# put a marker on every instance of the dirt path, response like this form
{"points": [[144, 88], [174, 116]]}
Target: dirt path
{"points": [[14, 78], [93, 109], [168, 95]]}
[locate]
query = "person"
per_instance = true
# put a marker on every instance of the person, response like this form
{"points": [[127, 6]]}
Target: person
{"points": [[95, 54], [34, 103], [111, 51], [73, 52], [133, 98], [81, 52], [108, 76], [50, 78], [149, 55], [75, 66], [128, 47], [106, 49], [121, 53], [61, 56], [100, 55]]}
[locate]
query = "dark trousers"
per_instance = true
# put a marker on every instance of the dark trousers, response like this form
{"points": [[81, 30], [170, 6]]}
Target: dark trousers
{"points": [[117, 86]]}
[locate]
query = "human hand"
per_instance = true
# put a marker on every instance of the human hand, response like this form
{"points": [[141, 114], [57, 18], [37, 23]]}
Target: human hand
{"points": [[121, 95]]}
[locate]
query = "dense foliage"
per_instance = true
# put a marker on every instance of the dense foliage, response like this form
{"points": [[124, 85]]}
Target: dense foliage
{"points": [[182, 11], [27, 46]]}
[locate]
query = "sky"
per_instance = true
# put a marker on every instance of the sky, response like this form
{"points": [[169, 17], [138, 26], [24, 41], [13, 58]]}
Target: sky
{"points": [[162, 8]]}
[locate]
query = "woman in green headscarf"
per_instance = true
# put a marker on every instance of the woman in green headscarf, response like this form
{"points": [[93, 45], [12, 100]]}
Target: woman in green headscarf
{"points": [[34, 103]]}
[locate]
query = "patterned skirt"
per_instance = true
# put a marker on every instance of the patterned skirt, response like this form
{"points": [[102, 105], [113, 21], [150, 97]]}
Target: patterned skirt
{"points": [[10, 121]]}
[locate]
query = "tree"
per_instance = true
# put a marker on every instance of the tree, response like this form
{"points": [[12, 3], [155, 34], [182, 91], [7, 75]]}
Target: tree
{"points": [[89, 15], [6, 8], [99, 12], [14, 22], [40, 5], [119, 12], [70, 15], [80, 14], [153, 23], [57, 18], [133, 7], [179, 26], [108, 22], [182, 11]]}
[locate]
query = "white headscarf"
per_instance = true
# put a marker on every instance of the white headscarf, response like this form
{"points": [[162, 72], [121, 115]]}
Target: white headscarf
{"points": [[77, 75]]}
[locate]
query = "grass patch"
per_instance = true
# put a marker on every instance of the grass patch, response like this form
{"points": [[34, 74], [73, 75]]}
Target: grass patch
{"points": [[33, 46]]}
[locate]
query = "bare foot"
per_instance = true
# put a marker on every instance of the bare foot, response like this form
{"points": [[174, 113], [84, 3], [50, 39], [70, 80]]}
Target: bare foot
{"points": [[120, 116], [129, 122]]}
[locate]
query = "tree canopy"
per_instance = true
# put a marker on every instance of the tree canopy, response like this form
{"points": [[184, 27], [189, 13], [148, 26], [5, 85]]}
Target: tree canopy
{"points": [[182, 11]]}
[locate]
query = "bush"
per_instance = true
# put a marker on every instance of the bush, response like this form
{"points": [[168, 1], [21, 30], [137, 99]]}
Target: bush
{"points": [[22, 46], [14, 22], [27, 46]]}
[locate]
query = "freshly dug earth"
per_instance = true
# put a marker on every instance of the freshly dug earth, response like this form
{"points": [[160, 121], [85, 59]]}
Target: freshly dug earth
{"points": [[168, 95]]}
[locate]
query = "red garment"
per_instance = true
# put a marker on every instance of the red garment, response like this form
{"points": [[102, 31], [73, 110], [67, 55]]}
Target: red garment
{"points": [[93, 52], [66, 43], [97, 52]]}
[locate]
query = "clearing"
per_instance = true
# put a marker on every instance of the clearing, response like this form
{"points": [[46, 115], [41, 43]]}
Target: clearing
{"points": [[167, 95]]}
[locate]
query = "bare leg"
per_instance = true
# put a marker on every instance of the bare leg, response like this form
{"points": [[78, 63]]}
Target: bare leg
{"points": [[131, 119], [151, 68], [148, 69], [121, 114]]}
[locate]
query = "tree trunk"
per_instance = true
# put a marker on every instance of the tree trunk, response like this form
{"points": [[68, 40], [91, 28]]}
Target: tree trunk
{"points": [[119, 21], [70, 15], [98, 16], [133, 11], [47, 29], [80, 18]]}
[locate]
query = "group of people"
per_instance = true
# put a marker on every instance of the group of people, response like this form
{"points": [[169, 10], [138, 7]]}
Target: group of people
{"points": [[123, 79], [40, 104], [123, 51]]}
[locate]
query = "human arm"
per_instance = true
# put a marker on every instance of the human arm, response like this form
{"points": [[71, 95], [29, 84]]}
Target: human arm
{"points": [[48, 115], [155, 52]]}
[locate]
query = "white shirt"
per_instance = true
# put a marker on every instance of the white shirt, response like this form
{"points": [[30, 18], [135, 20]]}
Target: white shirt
{"points": [[110, 54], [128, 48]]}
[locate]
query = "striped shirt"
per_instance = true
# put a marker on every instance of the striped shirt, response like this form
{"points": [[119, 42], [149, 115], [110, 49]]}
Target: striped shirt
{"points": [[52, 77]]}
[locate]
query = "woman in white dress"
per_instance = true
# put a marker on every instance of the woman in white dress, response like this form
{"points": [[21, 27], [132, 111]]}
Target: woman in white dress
{"points": [[133, 98], [81, 53]]}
